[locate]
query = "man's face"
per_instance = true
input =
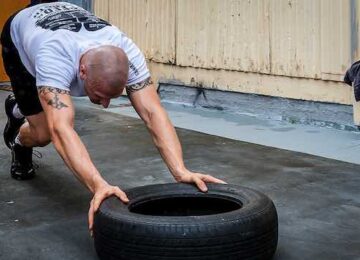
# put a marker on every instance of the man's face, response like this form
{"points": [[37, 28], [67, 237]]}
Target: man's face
{"points": [[101, 94]]}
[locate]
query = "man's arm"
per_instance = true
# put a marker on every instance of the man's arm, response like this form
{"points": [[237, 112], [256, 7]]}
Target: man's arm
{"points": [[59, 113], [147, 104]]}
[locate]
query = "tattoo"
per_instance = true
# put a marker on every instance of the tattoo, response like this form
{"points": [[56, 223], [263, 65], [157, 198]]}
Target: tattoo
{"points": [[55, 101], [138, 86]]}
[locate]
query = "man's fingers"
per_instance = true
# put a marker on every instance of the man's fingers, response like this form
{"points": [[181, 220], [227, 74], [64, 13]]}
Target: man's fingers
{"points": [[209, 178], [97, 201], [121, 195], [91, 215], [98, 198], [201, 184]]}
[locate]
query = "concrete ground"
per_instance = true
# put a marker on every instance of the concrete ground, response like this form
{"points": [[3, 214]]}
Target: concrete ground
{"points": [[317, 199]]}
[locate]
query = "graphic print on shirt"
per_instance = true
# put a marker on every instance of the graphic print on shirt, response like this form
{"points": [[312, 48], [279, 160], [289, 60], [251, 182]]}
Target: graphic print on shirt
{"points": [[68, 17]]}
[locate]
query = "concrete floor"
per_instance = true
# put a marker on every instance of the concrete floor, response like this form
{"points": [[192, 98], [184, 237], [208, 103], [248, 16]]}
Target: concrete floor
{"points": [[318, 199]]}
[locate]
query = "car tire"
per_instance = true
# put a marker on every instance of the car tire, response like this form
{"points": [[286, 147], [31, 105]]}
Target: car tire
{"points": [[177, 221]]}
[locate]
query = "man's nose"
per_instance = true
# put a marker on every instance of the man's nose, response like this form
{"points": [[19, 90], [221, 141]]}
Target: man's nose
{"points": [[105, 103]]}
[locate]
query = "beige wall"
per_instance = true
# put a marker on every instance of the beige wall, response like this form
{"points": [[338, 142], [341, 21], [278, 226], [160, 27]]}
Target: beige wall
{"points": [[290, 48]]}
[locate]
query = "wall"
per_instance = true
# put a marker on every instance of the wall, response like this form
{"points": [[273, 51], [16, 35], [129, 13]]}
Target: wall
{"points": [[295, 49], [264, 39]]}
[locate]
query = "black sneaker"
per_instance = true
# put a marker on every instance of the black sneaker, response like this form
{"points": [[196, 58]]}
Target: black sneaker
{"points": [[21, 164], [13, 124]]}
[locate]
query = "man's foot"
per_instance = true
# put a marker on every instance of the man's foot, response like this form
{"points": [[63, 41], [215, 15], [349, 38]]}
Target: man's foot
{"points": [[21, 164], [13, 124]]}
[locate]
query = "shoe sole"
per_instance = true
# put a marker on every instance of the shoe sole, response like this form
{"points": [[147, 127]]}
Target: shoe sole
{"points": [[10, 132]]}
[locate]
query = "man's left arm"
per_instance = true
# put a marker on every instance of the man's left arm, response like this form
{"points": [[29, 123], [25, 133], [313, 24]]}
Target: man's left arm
{"points": [[146, 102]]}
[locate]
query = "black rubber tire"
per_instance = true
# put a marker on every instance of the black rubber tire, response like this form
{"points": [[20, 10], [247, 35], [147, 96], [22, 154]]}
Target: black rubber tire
{"points": [[250, 232]]}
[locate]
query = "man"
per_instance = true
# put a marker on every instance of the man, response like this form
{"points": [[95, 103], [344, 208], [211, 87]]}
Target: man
{"points": [[56, 50]]}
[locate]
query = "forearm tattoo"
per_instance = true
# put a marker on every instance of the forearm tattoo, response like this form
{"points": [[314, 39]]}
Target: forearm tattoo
{"points": [[55, 101], [138, 86]]}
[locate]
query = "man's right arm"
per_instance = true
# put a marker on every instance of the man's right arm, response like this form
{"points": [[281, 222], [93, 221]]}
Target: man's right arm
{"points": [[59, 112]]}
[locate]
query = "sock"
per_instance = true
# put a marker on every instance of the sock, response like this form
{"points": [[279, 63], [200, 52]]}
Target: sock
{"points": [[17, 140], [16, 112]]}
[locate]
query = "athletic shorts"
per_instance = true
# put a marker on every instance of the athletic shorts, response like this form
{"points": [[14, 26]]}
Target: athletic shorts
{"points": [[22, 82]]}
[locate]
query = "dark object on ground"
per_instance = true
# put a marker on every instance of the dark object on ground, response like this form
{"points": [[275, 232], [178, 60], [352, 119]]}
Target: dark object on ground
{"points": [[177, 221], [352, 78]]}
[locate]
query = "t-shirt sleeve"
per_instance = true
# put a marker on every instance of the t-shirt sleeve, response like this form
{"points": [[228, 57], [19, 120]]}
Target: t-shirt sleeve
{"points": [[138, 70], [54, 69]]}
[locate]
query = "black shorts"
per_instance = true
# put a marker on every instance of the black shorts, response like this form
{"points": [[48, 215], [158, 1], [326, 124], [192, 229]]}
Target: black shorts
{"points": [[22, 82]]}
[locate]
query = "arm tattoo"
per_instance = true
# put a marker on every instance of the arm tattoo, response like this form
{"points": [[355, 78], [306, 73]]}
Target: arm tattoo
{"points": [[138, 86], [55, 101]]}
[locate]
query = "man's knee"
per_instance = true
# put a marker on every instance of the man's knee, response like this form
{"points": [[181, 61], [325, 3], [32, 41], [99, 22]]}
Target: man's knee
{"points": [[43, 137], [39, 130]]}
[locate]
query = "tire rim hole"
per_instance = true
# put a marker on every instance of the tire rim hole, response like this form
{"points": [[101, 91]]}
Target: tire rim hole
{"points": [[184, 206]]}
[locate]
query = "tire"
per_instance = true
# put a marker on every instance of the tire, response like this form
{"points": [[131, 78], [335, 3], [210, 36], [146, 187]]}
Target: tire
{"points": [[177, 221]]}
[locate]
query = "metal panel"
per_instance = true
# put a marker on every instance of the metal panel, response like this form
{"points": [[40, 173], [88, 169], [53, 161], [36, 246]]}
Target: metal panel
{"points": [[101, 9], [228, 34], [151, 24], [335, 38], [295, 38], [254, 83]]}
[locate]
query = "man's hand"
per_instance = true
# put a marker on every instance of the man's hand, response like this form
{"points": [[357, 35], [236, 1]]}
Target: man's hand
{"points": [[101, 193], [198, 178]]}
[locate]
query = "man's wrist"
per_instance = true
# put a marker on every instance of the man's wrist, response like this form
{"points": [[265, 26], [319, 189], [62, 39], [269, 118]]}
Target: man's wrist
{"points": [[97, 182], [178, 173]]}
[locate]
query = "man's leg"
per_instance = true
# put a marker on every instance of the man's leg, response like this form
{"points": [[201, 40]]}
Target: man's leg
{"points": [[21, 135], [35, 132]]}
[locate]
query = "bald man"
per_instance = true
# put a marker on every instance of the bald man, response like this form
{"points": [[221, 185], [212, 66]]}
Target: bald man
{"points": [[57, 50]]}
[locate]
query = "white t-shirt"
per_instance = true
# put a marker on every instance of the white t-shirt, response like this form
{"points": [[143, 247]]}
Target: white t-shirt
{"points": [[52, 37]]}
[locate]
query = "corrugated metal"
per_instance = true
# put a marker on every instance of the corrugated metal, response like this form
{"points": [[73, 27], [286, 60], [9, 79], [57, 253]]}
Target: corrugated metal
{"points": [[224, 34], [150, 24], [295, 38], [335, 38], [101, 9], [298, 38]]}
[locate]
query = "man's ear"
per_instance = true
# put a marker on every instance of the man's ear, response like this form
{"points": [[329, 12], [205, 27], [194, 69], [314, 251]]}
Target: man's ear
{"points": [[82, 71]]}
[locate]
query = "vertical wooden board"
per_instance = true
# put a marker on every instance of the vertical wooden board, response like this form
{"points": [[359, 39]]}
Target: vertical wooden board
{"points": [[295, 38], [150, 24], [101, 9], [223, 34], [8, 7], [335, 38]]}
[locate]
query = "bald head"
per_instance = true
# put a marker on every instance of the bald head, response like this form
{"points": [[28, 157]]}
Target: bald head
{"points": [[105, 66]]}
